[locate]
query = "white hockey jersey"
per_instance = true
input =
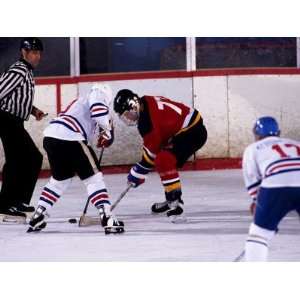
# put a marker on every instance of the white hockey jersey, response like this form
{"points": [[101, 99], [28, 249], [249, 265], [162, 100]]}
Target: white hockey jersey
{"points": [[271, 162], [80, 120]]}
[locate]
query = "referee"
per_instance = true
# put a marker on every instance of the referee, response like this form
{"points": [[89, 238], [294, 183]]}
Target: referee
{"points": [[23, 160]]}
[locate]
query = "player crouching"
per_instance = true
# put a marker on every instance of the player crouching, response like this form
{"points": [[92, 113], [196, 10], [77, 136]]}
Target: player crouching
{"points": [[66, 141], [171, 133]]}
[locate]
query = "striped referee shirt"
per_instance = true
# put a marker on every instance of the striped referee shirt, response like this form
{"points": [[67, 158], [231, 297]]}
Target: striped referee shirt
{"points": [[17, 90]]}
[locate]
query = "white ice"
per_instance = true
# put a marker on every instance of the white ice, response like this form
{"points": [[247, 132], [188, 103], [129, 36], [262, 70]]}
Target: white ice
{"points": [[216, 207]]}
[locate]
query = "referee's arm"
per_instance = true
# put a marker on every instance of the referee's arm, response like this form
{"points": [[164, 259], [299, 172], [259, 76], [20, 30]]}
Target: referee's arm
{"points": [[9, 82]]}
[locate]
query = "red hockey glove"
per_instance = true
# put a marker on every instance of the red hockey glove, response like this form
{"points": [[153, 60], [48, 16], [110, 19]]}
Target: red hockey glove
{"points": [[105, 139], [253, 208]]}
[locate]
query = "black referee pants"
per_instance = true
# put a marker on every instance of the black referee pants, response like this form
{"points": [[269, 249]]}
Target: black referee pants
{"points": [[22, 165]]}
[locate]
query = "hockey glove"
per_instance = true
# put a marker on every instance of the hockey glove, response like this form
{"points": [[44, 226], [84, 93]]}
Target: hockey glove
{"points": [[137, 175], [253, 207], [105, 139]]}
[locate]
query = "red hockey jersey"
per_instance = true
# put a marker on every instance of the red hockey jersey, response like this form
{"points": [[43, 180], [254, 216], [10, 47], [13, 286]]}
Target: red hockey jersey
{"points": [[160, 120]]}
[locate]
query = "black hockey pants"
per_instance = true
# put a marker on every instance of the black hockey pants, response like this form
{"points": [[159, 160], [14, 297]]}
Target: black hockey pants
{"points": [[188, 142]]}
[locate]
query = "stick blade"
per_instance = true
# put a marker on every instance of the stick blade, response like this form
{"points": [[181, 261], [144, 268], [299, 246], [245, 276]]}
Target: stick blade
{"points": [[88, 221]]}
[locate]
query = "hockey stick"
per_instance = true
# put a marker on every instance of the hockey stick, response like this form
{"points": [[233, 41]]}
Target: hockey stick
{"points": [[82, 217], [121, 196], [86, 220], [240, 257]]}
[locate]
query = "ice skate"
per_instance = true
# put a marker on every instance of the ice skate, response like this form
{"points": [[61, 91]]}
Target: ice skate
{"points": [[25, 208], [173, 210], [167, 207], [110, 223], [160, 207], [12, 216], [37, 222]]}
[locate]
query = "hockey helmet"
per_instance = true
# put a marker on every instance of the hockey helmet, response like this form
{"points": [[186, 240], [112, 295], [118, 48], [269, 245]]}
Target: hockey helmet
{"points": [[31, 43], [266, 126], [123, 101], [127, 106], [102, 92]]}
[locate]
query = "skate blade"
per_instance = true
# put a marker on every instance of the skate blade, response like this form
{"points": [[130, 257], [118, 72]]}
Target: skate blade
{"points": [[114, 230], [178, 219], [30, 229], [7, 219], [163, 213]]}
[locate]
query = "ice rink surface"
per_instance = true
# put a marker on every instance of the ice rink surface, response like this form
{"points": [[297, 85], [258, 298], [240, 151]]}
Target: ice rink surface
{"points": [[216, 207]]}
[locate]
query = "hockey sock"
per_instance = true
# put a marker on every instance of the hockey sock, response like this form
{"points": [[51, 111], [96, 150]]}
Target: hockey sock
{"points": [[97, 192], [256, 248], [166, 167], [52, 192]]}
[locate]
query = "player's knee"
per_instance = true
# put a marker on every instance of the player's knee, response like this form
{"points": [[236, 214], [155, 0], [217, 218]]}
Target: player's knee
{"points": [[96, 189], [59, 186], [94, 183], [258, 233], [165, 161], [95, 179]]}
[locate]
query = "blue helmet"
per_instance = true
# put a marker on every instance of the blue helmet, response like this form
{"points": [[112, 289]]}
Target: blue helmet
{"points": [[266, 126]]}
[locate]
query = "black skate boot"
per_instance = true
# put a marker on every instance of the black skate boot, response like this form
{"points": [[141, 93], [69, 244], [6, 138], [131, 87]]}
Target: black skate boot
{"points": [[109, 222], [173, 207], [163, 207], [175, 213], [160, 207], [25, 208], [12, 215], [37, 222]]}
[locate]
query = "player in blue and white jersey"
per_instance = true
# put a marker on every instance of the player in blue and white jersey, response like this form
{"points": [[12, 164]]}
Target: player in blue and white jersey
{"points": [[67, 141], [271, 169]]}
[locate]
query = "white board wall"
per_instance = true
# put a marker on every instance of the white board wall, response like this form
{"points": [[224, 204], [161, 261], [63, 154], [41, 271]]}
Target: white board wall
{"points": [[229, 106]]}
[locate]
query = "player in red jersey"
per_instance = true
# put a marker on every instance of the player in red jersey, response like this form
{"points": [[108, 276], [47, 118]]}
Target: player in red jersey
{"points": [[171, 133]]}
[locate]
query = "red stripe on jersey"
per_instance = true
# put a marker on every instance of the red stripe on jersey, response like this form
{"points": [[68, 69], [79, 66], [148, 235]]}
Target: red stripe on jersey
{"points": [[98, 109], [284, 165], [65, 118]]}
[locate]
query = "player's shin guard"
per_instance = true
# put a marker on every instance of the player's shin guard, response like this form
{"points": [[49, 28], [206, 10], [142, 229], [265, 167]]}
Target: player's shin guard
{"points": [[97, 192], [52, 192], [98, 196], [257, 243], [166, 167]]}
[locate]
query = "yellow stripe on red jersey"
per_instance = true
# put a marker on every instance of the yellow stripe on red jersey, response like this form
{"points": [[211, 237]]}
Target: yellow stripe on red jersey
{"points": [[147, 158]]}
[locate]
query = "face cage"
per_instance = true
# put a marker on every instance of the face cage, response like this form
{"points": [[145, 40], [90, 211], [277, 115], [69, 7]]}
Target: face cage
{"points": [[133, 117]]}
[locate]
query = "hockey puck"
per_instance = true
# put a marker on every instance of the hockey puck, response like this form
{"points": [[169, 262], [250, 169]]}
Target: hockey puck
{"points": [[73, 221]]}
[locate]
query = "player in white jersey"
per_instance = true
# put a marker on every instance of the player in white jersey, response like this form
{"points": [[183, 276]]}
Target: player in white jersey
{"points": [[271, 169], [67, 141]]}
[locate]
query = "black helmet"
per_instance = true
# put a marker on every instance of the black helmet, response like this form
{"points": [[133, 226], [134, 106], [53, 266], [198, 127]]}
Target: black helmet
{"points": [[122, 101], [31, 43]]}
